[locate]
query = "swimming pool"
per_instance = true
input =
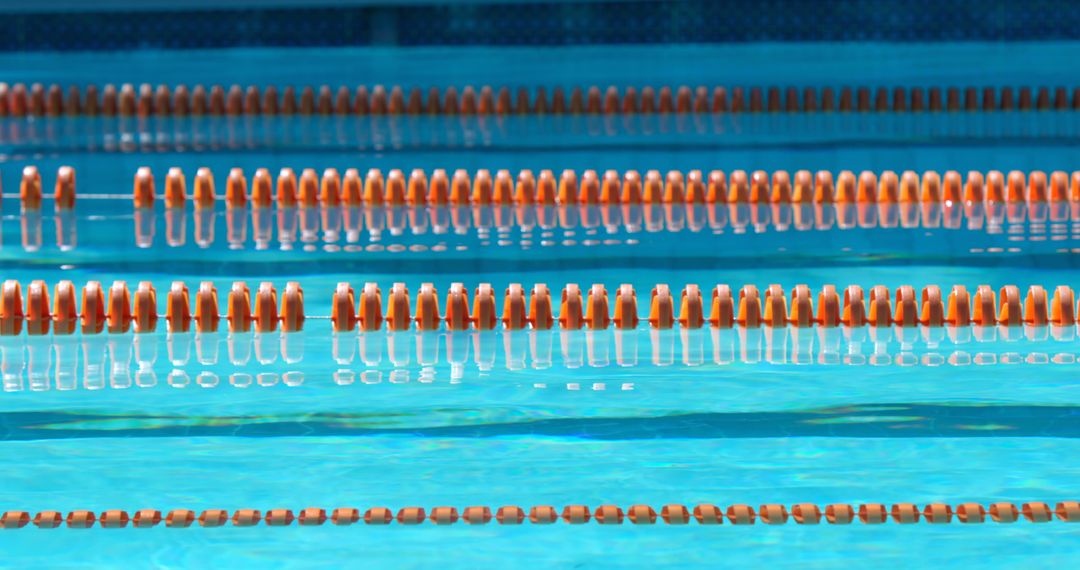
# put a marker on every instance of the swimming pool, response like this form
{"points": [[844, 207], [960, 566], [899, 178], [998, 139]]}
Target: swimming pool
{"points": [[395, 419]]}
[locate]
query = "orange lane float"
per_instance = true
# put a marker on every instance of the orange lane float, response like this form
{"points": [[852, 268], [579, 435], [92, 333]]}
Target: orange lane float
{"points": [[597, 315], [144, 188], [343, 311], [236, 189], [292, 308], [119, 315], [281, 517], [541, 316], [38, 318], [427, 308], [30, 188], [286, 188], [937, 513], [309, 188], [704, 513], [674, 514], [206, 316], [593, 309], [64, 192], [971, 513], [514, 316], [239, 312], [457, 308], [806, 513], [144, 313], [175, 188], [373, 193], [691, 311], [626, 315], [483, 314], [543, 515], [266, 308], [398, 313], [342, 516], [178, 308], [65, 310], [213, 518], [1036, 189], [146, 518], [204, 195], [510, 515]]}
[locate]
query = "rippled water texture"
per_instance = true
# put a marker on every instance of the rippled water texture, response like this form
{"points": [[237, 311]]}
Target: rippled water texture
{"points": [[785, 415]]}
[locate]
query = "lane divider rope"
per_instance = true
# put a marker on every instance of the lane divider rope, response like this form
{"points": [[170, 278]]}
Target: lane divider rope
{"points": [[672, 514], [18, 100], [721, 307], [693, 187]]}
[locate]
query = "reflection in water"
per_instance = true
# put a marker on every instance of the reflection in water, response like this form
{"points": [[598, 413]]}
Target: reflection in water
{"points": [[608, 225], [119, 361], [31, 230], [1004, 228], [522, 133], [144, 227], [599, 224]]}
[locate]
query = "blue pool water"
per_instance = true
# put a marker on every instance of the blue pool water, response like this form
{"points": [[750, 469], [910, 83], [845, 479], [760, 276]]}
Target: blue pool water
{"points": [[397, 419]]}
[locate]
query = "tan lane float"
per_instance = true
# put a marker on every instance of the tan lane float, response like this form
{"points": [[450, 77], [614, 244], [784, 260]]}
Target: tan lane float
{"points": [[19, 100], [484, 308], [671, 514]]}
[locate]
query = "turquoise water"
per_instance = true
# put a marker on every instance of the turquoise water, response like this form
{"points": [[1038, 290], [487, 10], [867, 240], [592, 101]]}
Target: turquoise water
{"points": [[540, 417], [757, 63]]}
